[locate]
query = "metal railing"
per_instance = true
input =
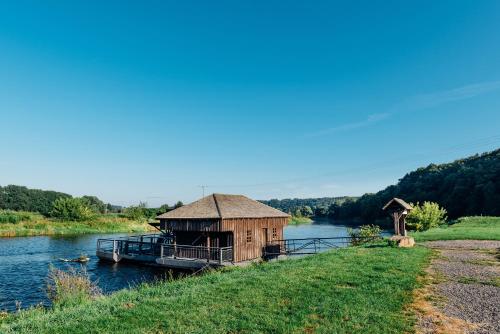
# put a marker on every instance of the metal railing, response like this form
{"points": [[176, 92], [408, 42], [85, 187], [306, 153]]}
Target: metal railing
{"points": [[217, 254], [312, 245], [148, 244]]}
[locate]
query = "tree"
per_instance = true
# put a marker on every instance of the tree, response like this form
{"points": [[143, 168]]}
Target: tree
{"points": [[95, 204], [74, 209], [297, 213], [425, 216], [178, 204], [306, 211], [137, 212], [164, 208]]}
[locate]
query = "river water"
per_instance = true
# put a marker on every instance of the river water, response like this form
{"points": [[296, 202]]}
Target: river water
{"points": [[25, 261]]}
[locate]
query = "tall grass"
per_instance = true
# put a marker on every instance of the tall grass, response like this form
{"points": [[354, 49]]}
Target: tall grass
{"points": [[70, 287], [14, 217], [17, 224]]}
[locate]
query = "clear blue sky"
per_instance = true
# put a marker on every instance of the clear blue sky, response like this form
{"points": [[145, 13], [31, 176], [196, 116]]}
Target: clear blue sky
{"points": [[146, 100]]}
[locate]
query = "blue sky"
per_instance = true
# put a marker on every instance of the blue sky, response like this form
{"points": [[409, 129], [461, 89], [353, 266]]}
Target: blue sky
{"points": [[144, 101]]}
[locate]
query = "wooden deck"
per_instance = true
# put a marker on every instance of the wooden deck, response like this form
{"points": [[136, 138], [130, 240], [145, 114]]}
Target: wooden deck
{"points": [[159, 250]]}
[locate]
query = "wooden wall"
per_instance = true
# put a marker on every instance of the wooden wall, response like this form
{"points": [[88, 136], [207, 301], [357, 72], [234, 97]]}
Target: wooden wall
{"points": [[199, 225], [244, 250]]}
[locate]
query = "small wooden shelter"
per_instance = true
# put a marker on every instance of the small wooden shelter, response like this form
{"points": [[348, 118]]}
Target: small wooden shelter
{"points": [[229, 222], [398, 210]]}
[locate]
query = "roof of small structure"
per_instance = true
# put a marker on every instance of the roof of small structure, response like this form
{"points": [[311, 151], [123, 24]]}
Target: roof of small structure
{"points": [[399, 201], [219, 206]]}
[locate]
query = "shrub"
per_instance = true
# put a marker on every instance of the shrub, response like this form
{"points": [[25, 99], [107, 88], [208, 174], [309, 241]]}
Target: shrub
{"points": [[70, 287], [140, 212], [136, 212], [366, 233], [425, 216], [71, 209]]}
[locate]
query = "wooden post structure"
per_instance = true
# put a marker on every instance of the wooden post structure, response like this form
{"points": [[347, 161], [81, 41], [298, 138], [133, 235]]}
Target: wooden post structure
{"points": [[208, 247], [398, 209]]}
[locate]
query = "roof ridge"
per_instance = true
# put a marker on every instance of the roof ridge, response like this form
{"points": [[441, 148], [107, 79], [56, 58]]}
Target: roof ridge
{"points": [[217, 205]]}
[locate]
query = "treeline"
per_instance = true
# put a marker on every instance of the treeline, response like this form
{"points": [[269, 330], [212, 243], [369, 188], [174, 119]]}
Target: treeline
{"points": [[61, 205], [20, 198], [465, 187], [307, 207]]}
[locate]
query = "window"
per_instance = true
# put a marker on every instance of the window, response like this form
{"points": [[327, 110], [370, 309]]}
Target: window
{"points": [[275, 233], [249, 235]]}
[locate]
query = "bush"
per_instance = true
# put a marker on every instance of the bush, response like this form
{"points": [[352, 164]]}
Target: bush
{"points": [[425, 216], [70, 287], [137, 212], [71, 209], [141, 212], [366, 233]]}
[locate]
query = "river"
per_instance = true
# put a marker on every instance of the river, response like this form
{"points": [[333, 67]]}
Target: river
{"points": [[25, 261]]}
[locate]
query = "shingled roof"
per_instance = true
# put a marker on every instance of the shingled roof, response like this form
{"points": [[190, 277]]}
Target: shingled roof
{"points": [[400, 202], [220, 206]]}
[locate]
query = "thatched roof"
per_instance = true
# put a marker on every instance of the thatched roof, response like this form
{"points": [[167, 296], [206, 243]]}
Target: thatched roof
{"points": [[399, 201], [219, 206]]}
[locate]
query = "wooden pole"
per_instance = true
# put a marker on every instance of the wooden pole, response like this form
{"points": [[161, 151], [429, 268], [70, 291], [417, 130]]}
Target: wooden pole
{"points": [[208, 247]]}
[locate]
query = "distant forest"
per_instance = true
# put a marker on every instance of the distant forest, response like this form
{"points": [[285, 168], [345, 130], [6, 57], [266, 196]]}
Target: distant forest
{"points": [[465, 187], [21, 198], [318, 207]]}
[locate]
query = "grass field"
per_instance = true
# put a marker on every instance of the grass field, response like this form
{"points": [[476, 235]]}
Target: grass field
{"points": [[472, 228], [19, 224], [356, 290]]}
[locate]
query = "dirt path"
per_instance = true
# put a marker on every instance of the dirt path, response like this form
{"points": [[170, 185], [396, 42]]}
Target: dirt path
{"points": [[463, 290]]}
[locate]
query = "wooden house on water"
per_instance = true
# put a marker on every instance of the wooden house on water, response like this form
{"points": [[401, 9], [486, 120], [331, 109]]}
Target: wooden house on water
{"points": [[223, 221], [216, 230]]}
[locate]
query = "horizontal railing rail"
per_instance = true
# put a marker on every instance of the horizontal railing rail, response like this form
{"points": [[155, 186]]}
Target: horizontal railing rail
{"points": [[217, 254], [148, 244], [304, 246]]}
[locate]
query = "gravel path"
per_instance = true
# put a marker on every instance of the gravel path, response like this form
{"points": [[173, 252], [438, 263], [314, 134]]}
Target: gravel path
{"points": [[464, 296]]}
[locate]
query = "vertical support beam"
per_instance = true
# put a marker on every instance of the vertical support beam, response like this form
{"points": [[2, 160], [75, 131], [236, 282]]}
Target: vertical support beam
{"points": [[220, 255], [175, 247], [208, 247], [402, 222]]}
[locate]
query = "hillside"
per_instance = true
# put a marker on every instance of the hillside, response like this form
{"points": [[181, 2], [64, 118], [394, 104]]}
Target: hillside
{"points": [[465, 187]]}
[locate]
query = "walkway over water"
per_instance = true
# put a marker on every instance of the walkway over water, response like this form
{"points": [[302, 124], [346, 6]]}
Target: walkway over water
{"points": [[161, 250]]}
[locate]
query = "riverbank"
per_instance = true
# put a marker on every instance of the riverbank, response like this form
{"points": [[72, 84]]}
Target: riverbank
{"points": [[466, 228], [32, 224], [294, 220], [355, 290]]}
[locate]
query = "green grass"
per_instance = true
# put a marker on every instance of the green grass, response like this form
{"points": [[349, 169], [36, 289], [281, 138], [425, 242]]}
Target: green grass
{"points": [[294, 220], [355, 290], [466, 228], [19, 224]]}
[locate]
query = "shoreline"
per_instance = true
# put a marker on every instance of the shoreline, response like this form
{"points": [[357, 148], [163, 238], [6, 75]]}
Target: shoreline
{"points": [[47, 227]]}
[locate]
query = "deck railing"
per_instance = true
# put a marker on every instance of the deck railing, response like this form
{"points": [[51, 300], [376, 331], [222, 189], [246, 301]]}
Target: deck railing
{"points": [[148, 244], [157, 245], [217, 254], [312, 245]]}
